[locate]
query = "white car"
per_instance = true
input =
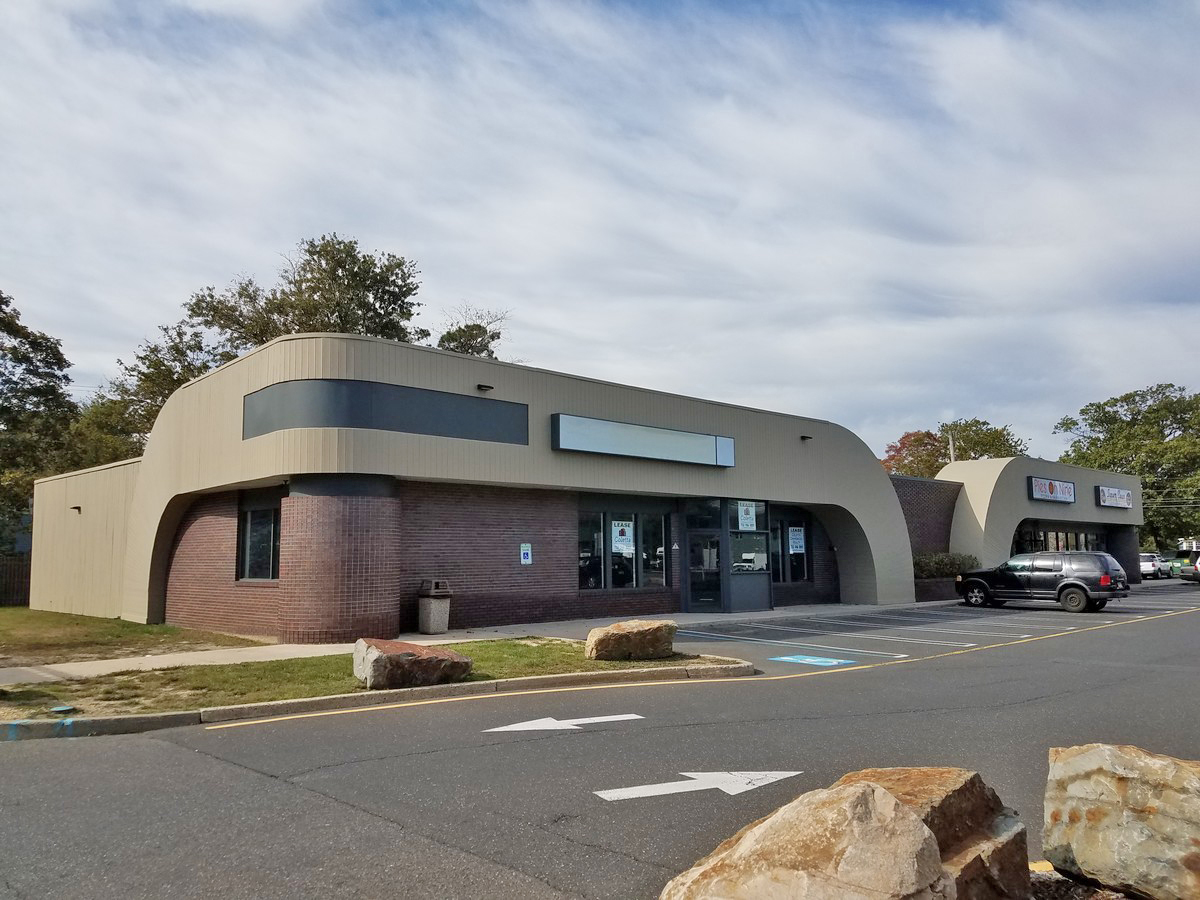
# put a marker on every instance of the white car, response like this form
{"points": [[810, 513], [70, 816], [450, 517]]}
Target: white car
{"points": [[1154, 566]]}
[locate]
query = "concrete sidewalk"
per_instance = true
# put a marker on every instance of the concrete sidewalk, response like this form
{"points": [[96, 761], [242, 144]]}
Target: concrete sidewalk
{"points": [[575, 629]]}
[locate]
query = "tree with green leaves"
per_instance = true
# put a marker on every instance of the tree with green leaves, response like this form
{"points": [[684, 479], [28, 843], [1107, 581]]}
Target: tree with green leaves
{"points": [[925, 453], [328, 285], [1153, 433], [36, 411], [474, 331]]}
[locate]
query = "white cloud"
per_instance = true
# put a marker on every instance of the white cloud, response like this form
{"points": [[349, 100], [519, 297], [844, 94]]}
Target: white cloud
{"points": [[883, 222]]}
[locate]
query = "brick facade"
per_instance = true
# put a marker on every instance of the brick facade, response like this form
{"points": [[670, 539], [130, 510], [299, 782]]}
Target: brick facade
{"points": [[339, 568], [351, 566], [202, 586], [928, 506], [470, 535]]}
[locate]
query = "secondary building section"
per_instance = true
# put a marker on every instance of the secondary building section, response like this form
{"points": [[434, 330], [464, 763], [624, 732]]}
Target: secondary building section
{"points": [[306, 491], [1023, 505]]}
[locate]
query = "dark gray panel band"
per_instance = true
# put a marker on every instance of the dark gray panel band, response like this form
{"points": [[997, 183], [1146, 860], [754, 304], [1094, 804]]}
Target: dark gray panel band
{"points": [[344, 403], [342, 486]]}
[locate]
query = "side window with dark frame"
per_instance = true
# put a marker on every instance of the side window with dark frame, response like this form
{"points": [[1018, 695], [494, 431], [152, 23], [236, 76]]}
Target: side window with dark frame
{"points": [[258, 538], [1047, 563]]}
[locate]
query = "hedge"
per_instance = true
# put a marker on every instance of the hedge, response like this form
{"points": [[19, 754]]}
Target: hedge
{"points": [[942, 565]]}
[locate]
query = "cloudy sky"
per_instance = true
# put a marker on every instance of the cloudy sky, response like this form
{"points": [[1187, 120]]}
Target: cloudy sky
{"points": [[887, 214]]}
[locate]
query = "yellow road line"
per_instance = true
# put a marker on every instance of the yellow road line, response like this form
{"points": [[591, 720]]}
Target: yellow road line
{"points": [[692, 681]]}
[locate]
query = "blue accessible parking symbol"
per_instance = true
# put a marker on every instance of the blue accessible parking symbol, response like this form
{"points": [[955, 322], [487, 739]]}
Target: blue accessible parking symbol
{"points": [[812, 660]]}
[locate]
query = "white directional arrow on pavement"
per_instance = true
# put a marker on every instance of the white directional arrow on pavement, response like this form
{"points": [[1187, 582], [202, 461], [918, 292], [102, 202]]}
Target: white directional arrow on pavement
{"points": [[729, 782], [560, 724]]}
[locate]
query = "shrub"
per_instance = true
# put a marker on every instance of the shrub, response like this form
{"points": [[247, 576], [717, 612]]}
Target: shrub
{"points": [[942, 565]]}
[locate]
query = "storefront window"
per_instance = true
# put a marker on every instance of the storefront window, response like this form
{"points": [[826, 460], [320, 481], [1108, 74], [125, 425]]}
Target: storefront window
{"points": [[591, 550], [747, 515], [654, 550], [703, 514], [748, 551], [623, 550], [790, 536]]}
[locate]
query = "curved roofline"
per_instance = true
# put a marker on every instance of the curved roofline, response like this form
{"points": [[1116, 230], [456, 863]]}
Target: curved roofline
{"points": [[498, 364]]}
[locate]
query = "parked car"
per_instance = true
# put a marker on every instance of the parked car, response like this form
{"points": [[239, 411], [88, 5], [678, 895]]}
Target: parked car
{"points": [[1190, 572], [1181, 559], [1079, 581], [1154, 566]]}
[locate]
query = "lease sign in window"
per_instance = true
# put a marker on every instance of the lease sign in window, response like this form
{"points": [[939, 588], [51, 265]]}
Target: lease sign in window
{"points": [[796, 539], [622, 537], [747, 520]]}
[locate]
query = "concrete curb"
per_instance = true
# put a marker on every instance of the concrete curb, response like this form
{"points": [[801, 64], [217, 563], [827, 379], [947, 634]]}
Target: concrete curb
{"points": [[35, 729]]}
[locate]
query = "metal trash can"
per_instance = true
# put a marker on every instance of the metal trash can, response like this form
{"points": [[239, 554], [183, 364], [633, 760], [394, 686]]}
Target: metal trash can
{"points": [[433, 606]]}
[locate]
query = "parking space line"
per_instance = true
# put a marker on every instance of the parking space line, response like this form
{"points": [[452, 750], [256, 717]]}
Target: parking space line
{"points": [[696, 682], [992, 623], [857, 636], [729, 637], [917, 626], [1018, 619]]}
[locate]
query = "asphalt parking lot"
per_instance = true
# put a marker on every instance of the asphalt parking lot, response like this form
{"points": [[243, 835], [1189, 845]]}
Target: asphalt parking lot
{"points": [[868, 635], [429, 798]]}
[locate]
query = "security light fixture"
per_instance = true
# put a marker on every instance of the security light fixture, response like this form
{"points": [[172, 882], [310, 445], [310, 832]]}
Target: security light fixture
{"points": [[484, 387], [806, 437]]}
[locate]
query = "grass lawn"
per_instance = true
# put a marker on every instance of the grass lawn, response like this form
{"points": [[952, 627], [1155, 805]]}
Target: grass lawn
{"points": [[193, 687], [33, 637]]}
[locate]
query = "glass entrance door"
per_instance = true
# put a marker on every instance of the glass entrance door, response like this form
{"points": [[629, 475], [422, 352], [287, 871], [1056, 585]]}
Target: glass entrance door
{"points": [[704, 572]]}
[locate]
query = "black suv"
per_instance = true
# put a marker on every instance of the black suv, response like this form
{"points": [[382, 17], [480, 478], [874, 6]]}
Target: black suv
{"points": [[1080, 581]]}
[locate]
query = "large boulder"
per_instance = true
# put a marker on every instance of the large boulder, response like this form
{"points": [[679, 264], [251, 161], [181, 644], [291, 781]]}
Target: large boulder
{"points": [[852, 842], [982, 843], [1125, 818], [380, 664], [636, 639]]}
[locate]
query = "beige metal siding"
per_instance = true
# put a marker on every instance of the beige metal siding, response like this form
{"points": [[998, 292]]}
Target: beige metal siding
{"points": [[995, 500], [197, 446], [79, 555]]}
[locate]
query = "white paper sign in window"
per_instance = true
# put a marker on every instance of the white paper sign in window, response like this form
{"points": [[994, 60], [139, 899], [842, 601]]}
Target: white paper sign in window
{"points": [[622, 537], [796, 540], [747, 520]]}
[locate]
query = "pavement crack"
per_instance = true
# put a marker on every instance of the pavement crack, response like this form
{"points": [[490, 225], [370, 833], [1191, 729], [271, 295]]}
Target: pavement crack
{"points": [[624, 854], [300, 773], [13, 890], [340, 801]]}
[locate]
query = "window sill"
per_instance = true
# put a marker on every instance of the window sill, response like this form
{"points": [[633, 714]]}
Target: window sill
{"points": [[649, 589], [258, 582]]}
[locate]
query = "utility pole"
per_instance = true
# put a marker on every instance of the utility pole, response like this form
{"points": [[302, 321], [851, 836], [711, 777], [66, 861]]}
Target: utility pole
{"points": [[950, 435]]}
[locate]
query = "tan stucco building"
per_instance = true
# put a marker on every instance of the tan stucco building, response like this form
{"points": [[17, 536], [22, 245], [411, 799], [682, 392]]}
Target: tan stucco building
{"points": [[306, 490], [1021, 505]]}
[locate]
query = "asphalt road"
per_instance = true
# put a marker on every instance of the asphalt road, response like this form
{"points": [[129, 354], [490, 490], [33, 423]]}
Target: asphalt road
{"points": [[424, 800]]}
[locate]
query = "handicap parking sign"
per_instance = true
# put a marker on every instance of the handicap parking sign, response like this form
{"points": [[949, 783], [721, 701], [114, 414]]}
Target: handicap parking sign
{"points": [[813, 660]]}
